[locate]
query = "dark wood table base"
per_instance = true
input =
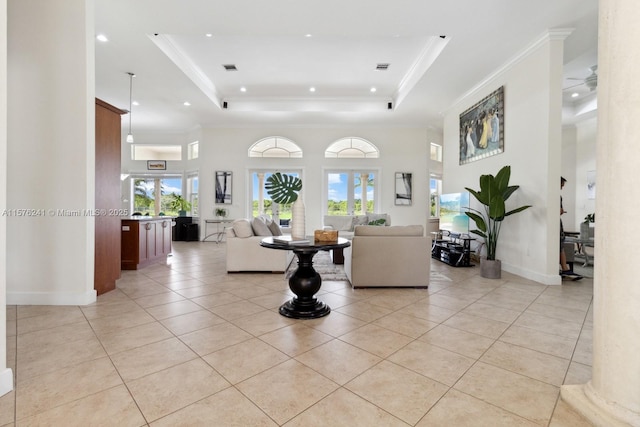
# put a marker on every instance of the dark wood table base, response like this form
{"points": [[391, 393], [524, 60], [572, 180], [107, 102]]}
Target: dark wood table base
{"points": [[305, 283]]}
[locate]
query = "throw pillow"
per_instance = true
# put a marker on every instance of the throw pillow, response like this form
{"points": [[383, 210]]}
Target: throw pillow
{"points": [[359, 220], [260, 228], [378, 219], [275, 228], [242, 228]]}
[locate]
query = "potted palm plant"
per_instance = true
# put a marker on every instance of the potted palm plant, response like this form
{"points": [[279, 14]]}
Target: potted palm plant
{"points": [[493, 193], [179, 204]]}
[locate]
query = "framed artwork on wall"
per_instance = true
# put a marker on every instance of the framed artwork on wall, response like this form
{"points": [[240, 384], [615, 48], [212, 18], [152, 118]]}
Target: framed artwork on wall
{"points": [[156, 165], [482, 128], [403, 189], [591, 185], [224, 181]]}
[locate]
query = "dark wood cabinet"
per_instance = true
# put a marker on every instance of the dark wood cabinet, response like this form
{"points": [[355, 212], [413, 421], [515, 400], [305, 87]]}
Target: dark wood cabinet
{"points": [[107, 196], [145, 241]]}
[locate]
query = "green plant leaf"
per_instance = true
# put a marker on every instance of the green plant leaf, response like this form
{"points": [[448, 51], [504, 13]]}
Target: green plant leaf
{"points": [[283, 188], [479, 220], [494, 191], [520, 209], [502, 178]]}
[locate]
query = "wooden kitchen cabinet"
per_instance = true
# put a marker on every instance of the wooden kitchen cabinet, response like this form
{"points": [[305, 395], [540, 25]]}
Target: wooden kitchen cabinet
{"points": [[145, 241]]}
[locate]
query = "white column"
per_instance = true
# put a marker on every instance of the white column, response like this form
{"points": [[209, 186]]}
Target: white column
{"points": [[261, 193], [364, 180], [612, 397], [157, 196]]}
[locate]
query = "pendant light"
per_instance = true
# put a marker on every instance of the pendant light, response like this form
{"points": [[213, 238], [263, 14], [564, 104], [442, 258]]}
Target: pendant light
{"points": [[130, 135]]}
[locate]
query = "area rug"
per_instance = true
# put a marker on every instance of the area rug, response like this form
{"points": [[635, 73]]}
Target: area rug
{"points": [[323, 264]]}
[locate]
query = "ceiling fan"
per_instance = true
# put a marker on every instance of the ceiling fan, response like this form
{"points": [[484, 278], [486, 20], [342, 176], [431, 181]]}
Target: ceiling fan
{"points": [[591, 81]]}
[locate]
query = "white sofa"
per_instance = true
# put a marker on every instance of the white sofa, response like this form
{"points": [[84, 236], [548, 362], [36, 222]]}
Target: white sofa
{"points": [[246, 254], [345, 224], [394, 256]]}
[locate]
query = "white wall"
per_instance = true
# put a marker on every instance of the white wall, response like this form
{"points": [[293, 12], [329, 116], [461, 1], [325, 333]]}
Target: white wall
{"points": [[6, 375], [402, 150], [222, 149], [578, 158], [586, 133], [568, 171], [51, 151], [528, 243]]}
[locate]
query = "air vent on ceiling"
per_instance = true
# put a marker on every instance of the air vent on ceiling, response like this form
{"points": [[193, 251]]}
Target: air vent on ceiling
{"points": [[382, 67], [230, 67]]}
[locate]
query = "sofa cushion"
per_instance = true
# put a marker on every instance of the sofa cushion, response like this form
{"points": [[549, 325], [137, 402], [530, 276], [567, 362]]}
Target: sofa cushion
{"points": [[395, 230], [359, 220], [242, 228], [339, 222], [275, 228], [260, 228]]}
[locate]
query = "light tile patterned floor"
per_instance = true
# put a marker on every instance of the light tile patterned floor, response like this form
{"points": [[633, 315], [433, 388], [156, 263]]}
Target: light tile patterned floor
{"points": [[185, 344]]}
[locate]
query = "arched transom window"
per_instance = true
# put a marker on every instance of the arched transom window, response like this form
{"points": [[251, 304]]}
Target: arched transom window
{"points": [[275, 146], [350, 148]]}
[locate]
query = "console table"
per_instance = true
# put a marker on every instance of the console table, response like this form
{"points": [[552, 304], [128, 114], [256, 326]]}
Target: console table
{"points": [[218, 233], [305, 282]]}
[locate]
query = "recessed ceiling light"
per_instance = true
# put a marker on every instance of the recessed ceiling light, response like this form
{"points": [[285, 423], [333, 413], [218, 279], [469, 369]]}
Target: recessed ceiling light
{"points": [[373, 89], [186, 103], [575, 95], [243, 89], [135, 103], [209, 35], [312, 89], [102, 38], [308, 35]]}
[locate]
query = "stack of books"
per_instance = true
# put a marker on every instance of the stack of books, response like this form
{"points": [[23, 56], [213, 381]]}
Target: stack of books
{"points": [[290, 240]]}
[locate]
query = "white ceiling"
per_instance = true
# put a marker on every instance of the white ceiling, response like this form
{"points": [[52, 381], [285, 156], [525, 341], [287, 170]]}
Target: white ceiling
{"points": [[282, 48]]}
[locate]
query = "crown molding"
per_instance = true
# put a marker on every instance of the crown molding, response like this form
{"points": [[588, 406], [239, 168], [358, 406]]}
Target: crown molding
{"points": [[559, 34]]}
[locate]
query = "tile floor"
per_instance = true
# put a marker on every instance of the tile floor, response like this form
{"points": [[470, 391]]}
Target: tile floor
{"points": [[185, 344]]}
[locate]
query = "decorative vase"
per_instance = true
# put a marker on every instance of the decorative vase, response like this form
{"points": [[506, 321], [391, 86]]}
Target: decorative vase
{"points": [[297, 220], [490, 268]]}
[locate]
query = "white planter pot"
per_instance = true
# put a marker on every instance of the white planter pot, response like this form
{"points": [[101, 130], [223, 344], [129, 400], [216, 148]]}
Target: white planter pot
{"points": [[297, 220]]}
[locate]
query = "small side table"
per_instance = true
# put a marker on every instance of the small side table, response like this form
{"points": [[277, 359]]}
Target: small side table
{"points": [[219, 233], [305, 282]]}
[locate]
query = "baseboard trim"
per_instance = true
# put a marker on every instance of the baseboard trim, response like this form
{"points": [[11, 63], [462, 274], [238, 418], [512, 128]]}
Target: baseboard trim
{"points": [[600, 413], [51, 298], [545, 279], [6, 381]]}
